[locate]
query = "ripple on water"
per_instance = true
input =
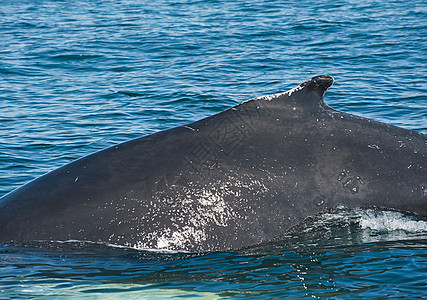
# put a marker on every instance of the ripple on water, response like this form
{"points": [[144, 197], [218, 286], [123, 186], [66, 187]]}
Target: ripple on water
{"points": [[79, 76]]}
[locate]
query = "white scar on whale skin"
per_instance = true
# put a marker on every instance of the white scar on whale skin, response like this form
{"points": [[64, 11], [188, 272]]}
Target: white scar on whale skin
{"points": [[277, 95]]}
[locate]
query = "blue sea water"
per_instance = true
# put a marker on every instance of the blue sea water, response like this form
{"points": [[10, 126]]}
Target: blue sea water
{"points": [[79, 76]]}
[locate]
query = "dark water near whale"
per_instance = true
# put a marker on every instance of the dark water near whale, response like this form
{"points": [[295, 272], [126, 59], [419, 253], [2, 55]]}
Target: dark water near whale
{"points": [[79, 76]]}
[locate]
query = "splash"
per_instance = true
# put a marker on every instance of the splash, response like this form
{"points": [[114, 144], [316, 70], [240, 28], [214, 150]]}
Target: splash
{"points": [[387, 221]]}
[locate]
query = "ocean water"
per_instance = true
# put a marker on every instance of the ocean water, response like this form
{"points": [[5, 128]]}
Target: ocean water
{"points": [[80, 76]]}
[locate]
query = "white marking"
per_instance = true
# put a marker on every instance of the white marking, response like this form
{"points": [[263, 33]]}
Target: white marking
{"points": [[188, 127], [373, 146], [277, 95]]}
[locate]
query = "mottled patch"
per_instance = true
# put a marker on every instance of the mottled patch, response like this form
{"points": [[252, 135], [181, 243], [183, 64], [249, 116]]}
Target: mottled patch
{"points": [[352, 183], [318, 201], [193, 211]]}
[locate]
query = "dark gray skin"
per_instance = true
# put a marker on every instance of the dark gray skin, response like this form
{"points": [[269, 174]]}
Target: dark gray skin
{"points": [[238, 178]]}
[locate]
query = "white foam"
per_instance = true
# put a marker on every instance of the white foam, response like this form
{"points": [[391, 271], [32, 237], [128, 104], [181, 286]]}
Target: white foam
{"points": [[130, 247], [390, 221], [361, 226]]}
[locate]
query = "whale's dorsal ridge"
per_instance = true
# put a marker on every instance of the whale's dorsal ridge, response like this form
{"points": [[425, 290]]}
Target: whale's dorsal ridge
{"points": [[319, 84], [302, 95]]}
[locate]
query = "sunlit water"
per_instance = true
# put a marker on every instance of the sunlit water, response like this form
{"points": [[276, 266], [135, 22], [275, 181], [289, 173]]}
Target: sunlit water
{"points": [[79, 76], [334, 255]]}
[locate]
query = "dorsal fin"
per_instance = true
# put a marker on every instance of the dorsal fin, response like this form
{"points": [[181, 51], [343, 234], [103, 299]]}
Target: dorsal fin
{"points": [[319, 84], [309, 93]]}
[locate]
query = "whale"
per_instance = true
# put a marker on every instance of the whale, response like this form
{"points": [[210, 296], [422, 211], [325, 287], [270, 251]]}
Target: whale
{"points": [[239, 178]]}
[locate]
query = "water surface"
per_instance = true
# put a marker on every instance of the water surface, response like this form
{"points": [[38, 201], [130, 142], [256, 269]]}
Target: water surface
{"points": [[79, 76]]}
